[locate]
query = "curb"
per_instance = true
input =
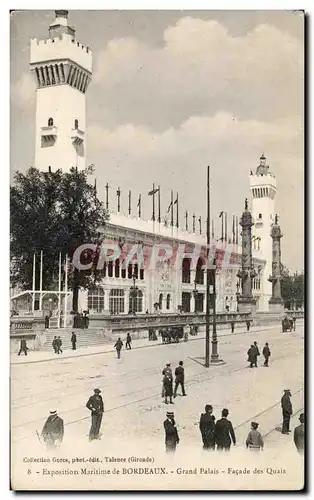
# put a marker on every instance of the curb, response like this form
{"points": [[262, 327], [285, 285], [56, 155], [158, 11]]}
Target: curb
{"points": [[134, 348]]}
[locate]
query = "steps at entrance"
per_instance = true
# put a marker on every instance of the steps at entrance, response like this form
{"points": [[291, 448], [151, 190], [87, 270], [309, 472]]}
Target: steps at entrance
{"points": [[84, 338]]}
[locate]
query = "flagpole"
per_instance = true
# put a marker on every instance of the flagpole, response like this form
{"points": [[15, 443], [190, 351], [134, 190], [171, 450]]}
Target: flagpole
{"points": [[186, 221], [171, 208], [34, 282], [159, 219], [222, 226], [237, 230], [41, 282], [129, 202], [59, 292], [226, 228], [193, 227], [153, 203], [66, 292], [207, 338], [233, 229], [139, 206], [213, 230], [177, 211], [107, 196]]}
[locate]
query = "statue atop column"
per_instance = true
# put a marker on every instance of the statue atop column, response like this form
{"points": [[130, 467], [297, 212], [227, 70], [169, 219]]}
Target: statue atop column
{"points": [[276, 303], [246, 273]]}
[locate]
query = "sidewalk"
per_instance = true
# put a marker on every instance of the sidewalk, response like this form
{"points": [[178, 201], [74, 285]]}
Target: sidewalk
{"points": [[41, 356]]}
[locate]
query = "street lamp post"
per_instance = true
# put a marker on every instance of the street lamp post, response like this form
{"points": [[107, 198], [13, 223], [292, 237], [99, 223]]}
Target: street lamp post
{"points": [[133, 290], [195, 295], [214, 355], [238, 294]]}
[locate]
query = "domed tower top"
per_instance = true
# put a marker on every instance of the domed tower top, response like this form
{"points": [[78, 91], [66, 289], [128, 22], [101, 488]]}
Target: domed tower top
{"points": [[263, 168], [60, 25]]}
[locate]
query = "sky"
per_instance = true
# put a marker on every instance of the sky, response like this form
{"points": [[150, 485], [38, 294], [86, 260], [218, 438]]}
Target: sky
{"points": [[174, 91]]}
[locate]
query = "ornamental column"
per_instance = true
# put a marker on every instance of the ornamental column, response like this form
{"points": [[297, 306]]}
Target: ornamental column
{"points": [[276, 303], [246, 301]]}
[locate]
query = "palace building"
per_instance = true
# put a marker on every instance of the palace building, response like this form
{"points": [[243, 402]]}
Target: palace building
{"points": [[62, 68]]}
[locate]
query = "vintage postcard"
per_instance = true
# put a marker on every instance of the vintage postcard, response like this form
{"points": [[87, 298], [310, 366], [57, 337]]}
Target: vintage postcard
{"points": [[156, 250]]}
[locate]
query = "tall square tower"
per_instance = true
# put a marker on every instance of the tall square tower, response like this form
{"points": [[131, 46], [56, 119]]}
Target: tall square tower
{"points": [[263, 191], [62, 68]]}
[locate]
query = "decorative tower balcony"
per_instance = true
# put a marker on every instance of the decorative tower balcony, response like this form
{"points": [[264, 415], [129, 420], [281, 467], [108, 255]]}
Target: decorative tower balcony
{"points": [[49, 132], [77, 136]]}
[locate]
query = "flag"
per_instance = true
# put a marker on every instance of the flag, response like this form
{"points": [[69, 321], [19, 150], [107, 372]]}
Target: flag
{"points": [[154, 191], [221, 214], [170, 205], [175, 202], [139, 201], [90, 169]]}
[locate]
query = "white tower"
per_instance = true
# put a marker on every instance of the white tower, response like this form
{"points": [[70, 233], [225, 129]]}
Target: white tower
{"points": [[62, 68], [263, 191]]}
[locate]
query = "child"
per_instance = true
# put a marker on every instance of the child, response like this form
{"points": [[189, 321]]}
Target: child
{"points": [[254, 440]]}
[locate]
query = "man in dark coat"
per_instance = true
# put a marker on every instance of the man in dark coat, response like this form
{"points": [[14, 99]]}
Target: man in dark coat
{"points": [[59, 345], [53, 430], [171, 433], [46, 321], [118, 345], [298, 436], [207, 428], [224, 432], [179, 380], [248, 325], [23, 347], [257, 353], [266, 353], [168, 387], [286, 411], [232, 326], [96, 406], [55, 344], [251, 355], [128, 341], [73, 341]]}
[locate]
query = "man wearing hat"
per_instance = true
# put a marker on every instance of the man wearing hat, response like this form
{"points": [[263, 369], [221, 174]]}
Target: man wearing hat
{"points": [[223, 432], [207, 428], [166, 371], [96, 406], [53, 430], [254, 441], [298, 436], [286, 411], [172, 437]]}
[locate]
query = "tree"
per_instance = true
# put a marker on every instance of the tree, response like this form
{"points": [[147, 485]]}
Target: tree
{"points": [[54, 212], [292, 288]]}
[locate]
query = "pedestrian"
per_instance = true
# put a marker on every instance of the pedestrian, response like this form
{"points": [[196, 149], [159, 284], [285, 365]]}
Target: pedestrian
{"points": [[53, 430], [286, 406], [251, 355], [294, 322], [298, 436], [232, 326], [166, 370], [179, 380], [171, 433], [96, 406], [59, 345], [224, 432], [207, 428], [168, 387], [73, 341], [248, 325], [23, 347], [128, 341], [266, 353], [46, 322], [55, 344], [254, 440], [118, 345], [257, 353]]}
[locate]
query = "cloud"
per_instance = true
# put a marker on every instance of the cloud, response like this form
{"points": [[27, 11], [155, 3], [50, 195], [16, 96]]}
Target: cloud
{"points": [[176, 158], [23, 94], [200, 69]]}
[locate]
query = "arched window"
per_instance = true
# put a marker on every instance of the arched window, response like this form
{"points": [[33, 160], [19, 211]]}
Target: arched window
{"points": [[259, 216], [168, 301], [116, 301], [96, 300], [160, 301], [199, 275], [136, 301], [117, 269], [186, 271], [76, 123], [50, 122]]}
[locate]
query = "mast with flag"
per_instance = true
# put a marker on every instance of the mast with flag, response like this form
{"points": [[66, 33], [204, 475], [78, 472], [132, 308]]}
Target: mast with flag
{"points": [[152, 193], [200, 223], [193, 227], [221, 215], [118, 196], [233, 229], [130, 202], [107, 196], [177, 203], [139, 206], [186, 221], [226, 228], [159, 219]]}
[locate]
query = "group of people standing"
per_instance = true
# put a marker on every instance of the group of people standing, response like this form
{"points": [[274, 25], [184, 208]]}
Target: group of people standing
{"points": [[167, 382], [57, 345], [253, 354]]}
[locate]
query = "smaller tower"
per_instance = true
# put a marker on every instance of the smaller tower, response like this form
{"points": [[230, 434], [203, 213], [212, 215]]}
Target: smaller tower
{"points": [[246, 273], [276, 303]]}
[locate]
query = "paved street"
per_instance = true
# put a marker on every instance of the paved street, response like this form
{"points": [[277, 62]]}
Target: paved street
{"points": [[131, 389]]}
